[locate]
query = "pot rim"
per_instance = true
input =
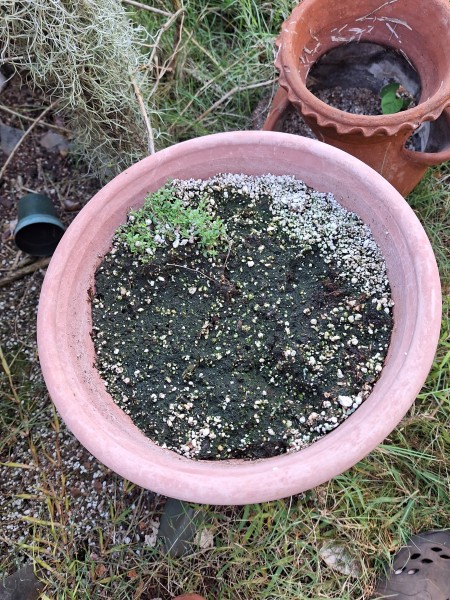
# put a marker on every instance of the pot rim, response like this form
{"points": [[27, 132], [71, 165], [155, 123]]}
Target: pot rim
{"points": [[137, 458]]}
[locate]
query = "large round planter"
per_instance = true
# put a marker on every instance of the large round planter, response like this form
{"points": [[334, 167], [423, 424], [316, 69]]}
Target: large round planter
{"points": [[67, 354], [313, 30]]}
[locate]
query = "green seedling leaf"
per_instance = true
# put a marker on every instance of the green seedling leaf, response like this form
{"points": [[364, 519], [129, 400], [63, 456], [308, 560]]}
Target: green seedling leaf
{"points": [[389, 89], [390, 102]]}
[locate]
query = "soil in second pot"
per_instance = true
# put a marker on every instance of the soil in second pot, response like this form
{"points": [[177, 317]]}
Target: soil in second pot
{"points": [[354, 100], [257, 348]]}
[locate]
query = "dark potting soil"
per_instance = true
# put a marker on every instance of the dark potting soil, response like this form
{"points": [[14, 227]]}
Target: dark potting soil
{"points": [[358, 101], [255, 352]]}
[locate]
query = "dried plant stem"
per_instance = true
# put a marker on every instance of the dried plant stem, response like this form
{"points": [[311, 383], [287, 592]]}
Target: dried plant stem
{"points": [[179, 9], [163, 29], [230, 93], [27, 132], [169, 65], [148, 126], [19, 273], [191, 38], [194, 271], [158, 11]]}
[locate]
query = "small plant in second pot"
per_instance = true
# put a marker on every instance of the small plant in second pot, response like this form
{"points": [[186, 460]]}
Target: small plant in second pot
{"points": [[394, 98], [241, 316]]}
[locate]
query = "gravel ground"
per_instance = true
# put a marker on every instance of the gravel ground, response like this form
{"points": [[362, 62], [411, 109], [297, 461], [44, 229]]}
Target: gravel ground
{"points": [[51, 464]]}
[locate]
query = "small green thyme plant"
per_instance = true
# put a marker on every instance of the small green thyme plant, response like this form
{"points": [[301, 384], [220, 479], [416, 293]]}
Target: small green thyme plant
{"points": [[165, 219], [394, 98]]}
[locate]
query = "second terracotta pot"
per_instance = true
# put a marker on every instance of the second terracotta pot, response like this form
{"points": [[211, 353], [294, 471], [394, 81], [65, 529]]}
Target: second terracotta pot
{"points": [[398, 28]]}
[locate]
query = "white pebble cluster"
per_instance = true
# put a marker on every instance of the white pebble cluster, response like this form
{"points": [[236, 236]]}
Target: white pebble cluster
{"points": [[314, 218]]}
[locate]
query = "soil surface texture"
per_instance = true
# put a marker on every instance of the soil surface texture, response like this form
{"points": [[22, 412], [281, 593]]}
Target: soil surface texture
{"points": [[359, 101], [258, 350]]}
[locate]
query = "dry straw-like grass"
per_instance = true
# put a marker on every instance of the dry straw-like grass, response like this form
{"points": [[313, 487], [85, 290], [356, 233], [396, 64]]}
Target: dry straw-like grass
{"points": [[88, 55]]}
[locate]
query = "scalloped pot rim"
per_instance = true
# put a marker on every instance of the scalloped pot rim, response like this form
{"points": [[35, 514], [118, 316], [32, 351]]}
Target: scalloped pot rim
{"points": [[344, 123], [64, 320], [311, 12]]}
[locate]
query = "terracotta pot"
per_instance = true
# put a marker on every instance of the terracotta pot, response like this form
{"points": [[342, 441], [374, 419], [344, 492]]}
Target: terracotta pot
{"points": [[380, 33], [67, 354]]}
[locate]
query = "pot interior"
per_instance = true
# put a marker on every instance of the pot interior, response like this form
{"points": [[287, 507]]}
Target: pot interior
{"points": [[362, 30], [363, 65], [371, 66]]}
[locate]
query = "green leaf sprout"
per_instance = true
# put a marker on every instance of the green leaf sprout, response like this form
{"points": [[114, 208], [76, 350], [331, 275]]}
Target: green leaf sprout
{"points": [[391, 101]]}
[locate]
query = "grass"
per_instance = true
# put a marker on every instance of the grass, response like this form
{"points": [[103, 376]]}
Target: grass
{"points": [[212, 64], [210, 67]]}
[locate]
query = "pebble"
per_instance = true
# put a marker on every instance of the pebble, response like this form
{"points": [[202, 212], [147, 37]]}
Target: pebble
{"points": [[9, 137], [54, 142], [345, 401]]}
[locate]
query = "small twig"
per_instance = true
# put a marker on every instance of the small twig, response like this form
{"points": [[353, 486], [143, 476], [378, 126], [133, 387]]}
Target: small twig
{"points": [[27, 132], [192, 39], [7, 370], [10, 59], [39, 264], [23, 188], [16, 260], [40, 124], [158, 11], [42, 176], [171, 65], [194, 271], [201, 272], [204, 87], [228, 255], [228, 95], [151, 142], [173, 17]]}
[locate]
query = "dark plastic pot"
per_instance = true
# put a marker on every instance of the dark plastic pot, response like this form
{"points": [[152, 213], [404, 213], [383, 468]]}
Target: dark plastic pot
{"points": [[38, 230]]}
